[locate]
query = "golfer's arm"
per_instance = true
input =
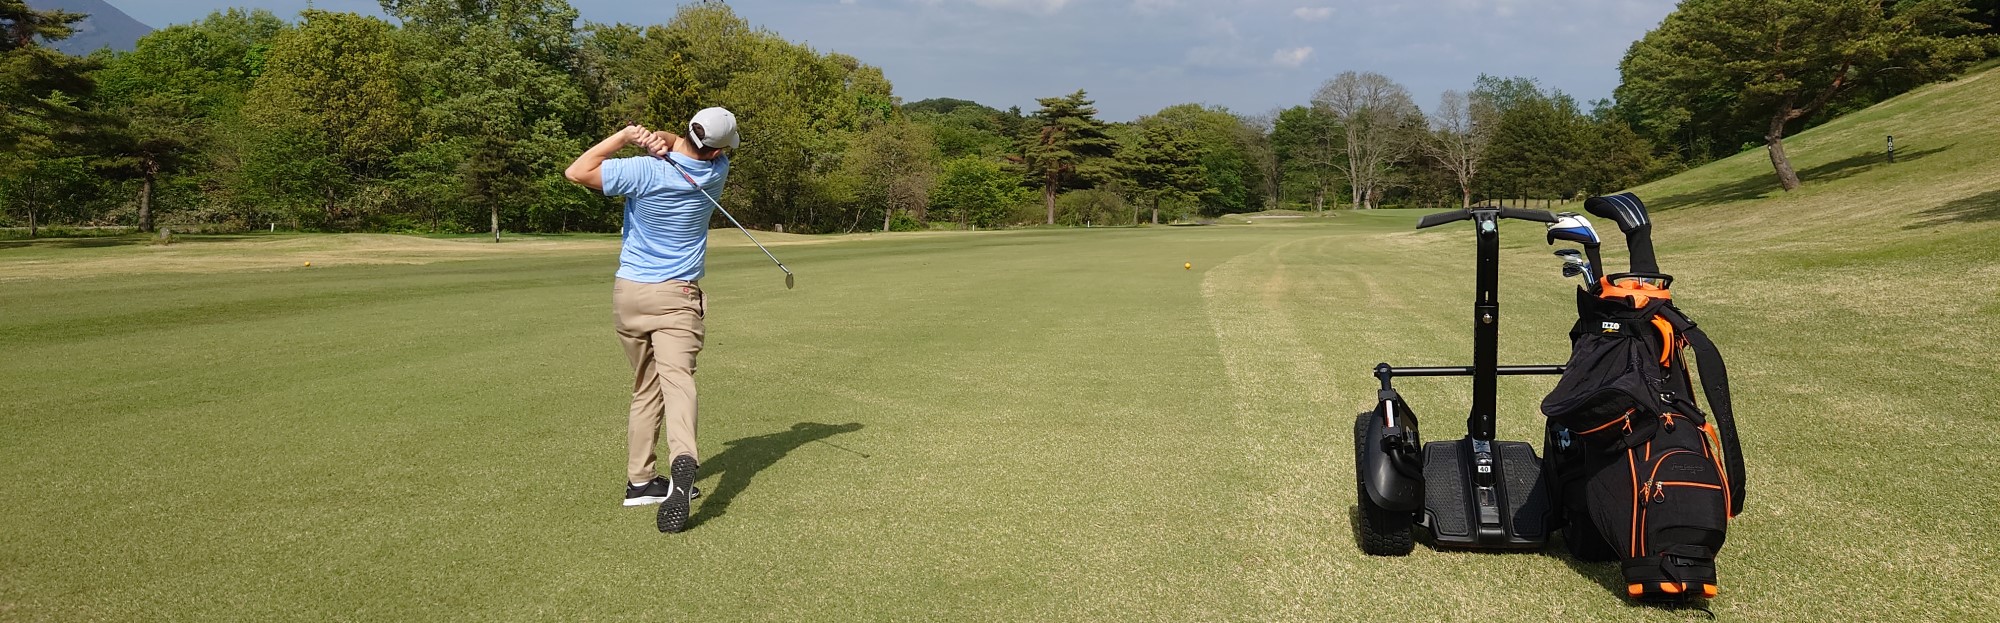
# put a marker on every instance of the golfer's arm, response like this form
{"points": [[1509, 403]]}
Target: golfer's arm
{"points": [[588, 169]]}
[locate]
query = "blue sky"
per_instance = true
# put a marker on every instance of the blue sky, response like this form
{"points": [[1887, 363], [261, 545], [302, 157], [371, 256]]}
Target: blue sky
{"points": [[1137, 56]]}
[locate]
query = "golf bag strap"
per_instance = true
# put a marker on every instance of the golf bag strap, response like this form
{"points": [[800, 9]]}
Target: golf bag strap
{"points": [[1715, 384]]}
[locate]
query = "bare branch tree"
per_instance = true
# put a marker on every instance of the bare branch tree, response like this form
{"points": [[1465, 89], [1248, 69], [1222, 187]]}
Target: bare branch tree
{"points": [[1461, 127], [1372, 111]]}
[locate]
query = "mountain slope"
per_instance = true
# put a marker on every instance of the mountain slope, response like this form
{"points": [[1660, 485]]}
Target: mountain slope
{"points": [[106, 27]]}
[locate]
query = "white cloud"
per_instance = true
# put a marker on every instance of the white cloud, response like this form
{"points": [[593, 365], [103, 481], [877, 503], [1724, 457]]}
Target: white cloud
{"points": [[1044, 7], [1312, 14], [1292, 57]]}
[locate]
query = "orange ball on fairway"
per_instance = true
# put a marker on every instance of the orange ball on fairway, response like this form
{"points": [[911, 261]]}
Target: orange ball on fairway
{"points": [[1187, 266], [309, 263]]}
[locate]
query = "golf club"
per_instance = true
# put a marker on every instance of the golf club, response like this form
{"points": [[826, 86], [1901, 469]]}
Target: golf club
{"points": [[1574, 227], [1574, 264], [732, 219], [1630, 214]]}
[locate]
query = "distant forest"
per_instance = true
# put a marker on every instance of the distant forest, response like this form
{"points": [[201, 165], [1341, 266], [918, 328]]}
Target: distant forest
{"points": [[458, 115]]}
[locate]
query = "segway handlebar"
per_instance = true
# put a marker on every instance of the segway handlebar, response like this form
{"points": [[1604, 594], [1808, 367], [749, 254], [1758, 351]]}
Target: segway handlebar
{"points": [[1539, 216], [1434, 220]]}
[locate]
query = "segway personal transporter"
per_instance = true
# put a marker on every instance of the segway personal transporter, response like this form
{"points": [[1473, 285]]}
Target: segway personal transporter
{"points": [[1474, 493]]}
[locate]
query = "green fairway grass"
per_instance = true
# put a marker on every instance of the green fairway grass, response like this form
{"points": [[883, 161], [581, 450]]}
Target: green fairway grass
{"points": [[1026, 425]]}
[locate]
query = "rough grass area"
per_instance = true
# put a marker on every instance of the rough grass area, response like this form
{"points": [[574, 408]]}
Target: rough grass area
{"points": [[1036, 425], [131, 254]]}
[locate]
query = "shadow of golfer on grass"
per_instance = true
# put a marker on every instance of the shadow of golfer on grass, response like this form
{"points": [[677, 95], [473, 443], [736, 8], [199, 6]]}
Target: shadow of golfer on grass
{"points": [[731, 470]]}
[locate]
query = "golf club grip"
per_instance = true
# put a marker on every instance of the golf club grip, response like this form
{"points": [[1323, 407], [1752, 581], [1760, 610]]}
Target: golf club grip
{"points": [[1434, 220], [1539, 216]]}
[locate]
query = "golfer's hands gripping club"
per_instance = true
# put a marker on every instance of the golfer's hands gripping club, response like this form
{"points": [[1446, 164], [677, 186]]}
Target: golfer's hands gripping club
{"points": [[657, 144], [588, 169]]}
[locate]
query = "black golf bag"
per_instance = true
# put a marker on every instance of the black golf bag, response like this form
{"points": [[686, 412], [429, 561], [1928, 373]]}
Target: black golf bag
{"points": [[1641, 472]]}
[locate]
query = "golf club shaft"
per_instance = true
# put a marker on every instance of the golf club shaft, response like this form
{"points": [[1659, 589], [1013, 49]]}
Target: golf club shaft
{"points": [[726, 214], [843, 448]]}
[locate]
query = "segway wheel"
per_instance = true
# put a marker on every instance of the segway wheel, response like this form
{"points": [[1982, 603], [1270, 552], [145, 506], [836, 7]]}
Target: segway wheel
{"points": [[1381, 532]]}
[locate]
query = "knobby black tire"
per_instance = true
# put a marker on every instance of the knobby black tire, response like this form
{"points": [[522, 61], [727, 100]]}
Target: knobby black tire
{"points": [[1381, 532]]}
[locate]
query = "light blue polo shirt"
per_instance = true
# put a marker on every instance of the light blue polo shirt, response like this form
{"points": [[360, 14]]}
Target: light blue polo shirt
{"points": [[666, 220]]}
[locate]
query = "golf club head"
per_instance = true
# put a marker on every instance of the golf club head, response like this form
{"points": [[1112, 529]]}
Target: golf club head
{"points": [[788, 280], [1574, 264], [1573, 227]]}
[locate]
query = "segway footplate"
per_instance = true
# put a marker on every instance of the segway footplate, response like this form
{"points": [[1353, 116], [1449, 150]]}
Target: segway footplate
{"points": [[1511, 513]]}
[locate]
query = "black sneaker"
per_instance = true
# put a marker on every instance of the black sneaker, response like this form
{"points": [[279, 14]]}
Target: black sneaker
{"points": [[653, 492], [674, 510]]}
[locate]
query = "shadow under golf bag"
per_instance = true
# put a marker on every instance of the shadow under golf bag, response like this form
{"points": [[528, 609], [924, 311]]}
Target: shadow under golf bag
{"points": [[1640, 472]]}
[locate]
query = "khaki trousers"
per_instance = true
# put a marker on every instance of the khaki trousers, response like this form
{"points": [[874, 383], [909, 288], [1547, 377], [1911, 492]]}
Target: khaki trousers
{"points": [[660, 326]]}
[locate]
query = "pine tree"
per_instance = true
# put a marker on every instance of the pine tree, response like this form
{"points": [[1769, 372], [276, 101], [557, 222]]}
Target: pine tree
{"points": [[1166, 164], [1070, 149]]}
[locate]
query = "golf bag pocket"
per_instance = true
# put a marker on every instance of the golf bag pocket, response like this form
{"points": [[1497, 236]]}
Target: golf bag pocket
{"points": [[1605, 383], [1664, 505]]}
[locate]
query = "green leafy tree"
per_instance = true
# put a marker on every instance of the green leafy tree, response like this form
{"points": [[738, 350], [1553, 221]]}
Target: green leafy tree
{"points": [[1165, 164], [1091, 206], [212, 64], [976, 192], [1717, 67], [639, 76], [172, 105], [149, 136], [964, 128], [896, 165], [1071, 149], [1536, 144], [1308, 145], [332, 108], [40, 89], [498, 106], [46, 187], [1233, 154], [799, 112]]}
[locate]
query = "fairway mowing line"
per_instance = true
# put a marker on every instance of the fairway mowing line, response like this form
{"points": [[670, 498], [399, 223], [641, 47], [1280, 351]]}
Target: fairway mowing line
{"points": [[1278, 381]]}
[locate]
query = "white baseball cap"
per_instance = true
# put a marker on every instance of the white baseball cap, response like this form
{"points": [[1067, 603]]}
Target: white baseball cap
{"points": [[718, 126]]}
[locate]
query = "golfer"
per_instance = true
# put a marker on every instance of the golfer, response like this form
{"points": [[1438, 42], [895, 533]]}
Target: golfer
{"points": [[657, 302]]}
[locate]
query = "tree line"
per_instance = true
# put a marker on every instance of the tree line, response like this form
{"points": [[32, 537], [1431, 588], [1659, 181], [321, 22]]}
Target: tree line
{"points": [[460, 116]]}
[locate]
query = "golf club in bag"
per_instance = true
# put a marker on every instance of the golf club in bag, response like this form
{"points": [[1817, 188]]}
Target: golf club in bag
{"points": [[1475, 492], [1574, 227], [1639, 471]]}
